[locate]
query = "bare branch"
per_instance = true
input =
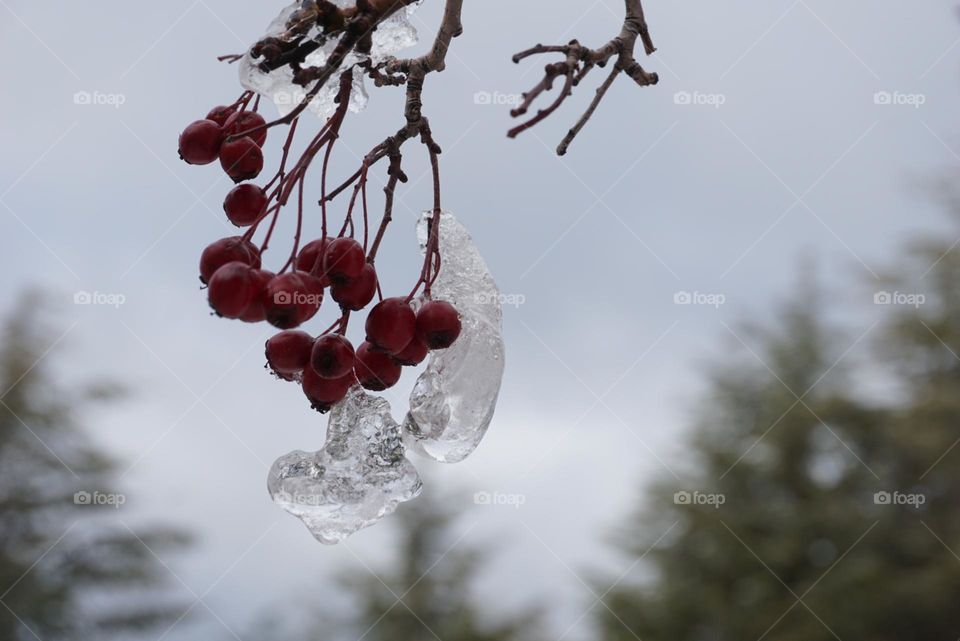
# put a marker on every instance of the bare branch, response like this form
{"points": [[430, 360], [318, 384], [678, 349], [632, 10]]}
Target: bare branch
{"points": [[579, 61]]}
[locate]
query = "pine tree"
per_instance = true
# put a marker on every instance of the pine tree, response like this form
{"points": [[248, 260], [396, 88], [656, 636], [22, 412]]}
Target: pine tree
{"points": [[802, 547], [67, 571], [434, 575]]}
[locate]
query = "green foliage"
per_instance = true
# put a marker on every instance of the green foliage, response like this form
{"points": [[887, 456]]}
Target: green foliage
{"points": [[67, 571], [800, 549]]}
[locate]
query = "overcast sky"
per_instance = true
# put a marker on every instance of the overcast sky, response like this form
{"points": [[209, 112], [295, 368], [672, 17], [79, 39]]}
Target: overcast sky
{"points": [[765, 142]]}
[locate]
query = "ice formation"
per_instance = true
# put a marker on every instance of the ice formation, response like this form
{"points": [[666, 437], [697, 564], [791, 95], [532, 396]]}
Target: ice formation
{"points": [[452, 403], [360, 475], [392, 35]]}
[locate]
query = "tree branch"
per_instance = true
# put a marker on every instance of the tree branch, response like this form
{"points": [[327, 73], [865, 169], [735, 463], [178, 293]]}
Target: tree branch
{"points": [[578, 62]]}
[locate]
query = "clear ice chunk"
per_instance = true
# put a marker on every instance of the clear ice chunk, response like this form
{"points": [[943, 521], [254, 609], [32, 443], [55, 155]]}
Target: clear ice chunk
{"points": [[452, 403], [392, 35], [360, 475]]}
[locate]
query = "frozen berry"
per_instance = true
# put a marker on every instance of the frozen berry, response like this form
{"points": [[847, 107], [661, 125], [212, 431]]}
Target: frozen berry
{"points": [[231, 290], [290, 300], [375, 370], [200, 142], [243, 121], [357, 293], [256, 311], [242, 159], [288, 353], [220, 114], [311, 255], [245, 204], [343, 260], [227, 250], [332, 356], [412, 354], [391, 325], [324, 393], [438, 324]]}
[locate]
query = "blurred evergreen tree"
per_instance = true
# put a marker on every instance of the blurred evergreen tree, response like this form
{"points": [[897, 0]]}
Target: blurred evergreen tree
{"points": [[434, 574], [802, 548], [67, 571]]}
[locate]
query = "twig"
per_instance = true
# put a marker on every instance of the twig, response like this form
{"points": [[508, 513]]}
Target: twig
{"points": [[579, 61]]}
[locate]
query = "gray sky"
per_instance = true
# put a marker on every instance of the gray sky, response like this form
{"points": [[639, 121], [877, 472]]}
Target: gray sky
{"points": [[656, 197]]}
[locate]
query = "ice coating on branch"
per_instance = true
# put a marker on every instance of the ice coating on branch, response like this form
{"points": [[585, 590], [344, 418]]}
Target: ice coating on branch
{"points": [[392, 35], [452, 403], [360, 475]]}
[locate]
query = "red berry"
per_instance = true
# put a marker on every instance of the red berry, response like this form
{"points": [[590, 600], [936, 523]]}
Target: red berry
{"points": [[311, 255], [220, 114], [227, 250], [357, 293], [375, 370], [255, 311], [324, 393], [244, 204], [391, 325], [291, 300], [242, 159], [438, 324], [243, 121], [200, 142], [288, 353], [231, 290], [413, 354], [343, 260], [332, 356], [315, 284]]}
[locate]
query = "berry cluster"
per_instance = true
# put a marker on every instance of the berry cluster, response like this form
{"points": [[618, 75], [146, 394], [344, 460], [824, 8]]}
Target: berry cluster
{"points": [[238, 287], [216, 136]]}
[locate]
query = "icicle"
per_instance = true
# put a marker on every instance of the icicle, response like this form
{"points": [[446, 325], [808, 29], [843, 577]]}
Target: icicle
{"points": [[452, 403]]}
